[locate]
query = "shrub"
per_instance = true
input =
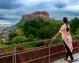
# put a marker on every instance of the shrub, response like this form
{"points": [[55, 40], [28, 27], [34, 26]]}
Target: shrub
{"points": [[12, 35], [37, 44], [74, 24], [56, 41], [30, 38], [1, 41], [19, 39], [27, 46], [74, 38], [10, 42], [77, 32]]}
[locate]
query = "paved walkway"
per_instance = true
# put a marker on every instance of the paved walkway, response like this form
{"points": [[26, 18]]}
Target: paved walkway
{"points": [[76, 56]]}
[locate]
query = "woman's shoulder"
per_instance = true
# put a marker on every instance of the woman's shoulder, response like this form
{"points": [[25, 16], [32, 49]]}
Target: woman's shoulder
{"points": [[63, 25]]}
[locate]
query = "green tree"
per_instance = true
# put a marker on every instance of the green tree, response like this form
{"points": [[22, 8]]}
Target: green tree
{"points": [[77, 32], [74, 24], [12, 35], [19, 39], [1, 41], [40, 28], [30, 38]]}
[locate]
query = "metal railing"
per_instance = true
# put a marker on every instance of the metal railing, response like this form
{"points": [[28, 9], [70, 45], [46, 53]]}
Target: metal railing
{"points": [[14, 53]]}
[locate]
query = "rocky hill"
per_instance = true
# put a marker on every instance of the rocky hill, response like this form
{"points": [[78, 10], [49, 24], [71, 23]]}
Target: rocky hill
{"points": [[36, 15]]}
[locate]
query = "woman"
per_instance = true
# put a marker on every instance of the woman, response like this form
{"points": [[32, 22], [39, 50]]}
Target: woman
{"points": [[67, 39]]}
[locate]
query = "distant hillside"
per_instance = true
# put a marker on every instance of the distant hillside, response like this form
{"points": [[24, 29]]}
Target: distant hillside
{"points": [[19, 24], [10, 28], [4, 26]]}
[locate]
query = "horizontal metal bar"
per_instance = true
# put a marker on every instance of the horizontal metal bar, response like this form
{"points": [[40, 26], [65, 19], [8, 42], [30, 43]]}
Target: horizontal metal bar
{"points": [[7, 56], [25, 52], [36, 59], [32, 50], [40, 40], [46, 56]]}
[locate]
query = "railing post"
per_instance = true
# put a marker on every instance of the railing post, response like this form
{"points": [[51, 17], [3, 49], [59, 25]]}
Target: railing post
{"points": [[77, 40], [20, 48], [15, 53], [46, 43], [13, 58], [49, 53]]}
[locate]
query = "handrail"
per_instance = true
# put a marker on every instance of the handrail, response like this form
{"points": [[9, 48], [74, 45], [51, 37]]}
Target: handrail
{"points": [[15, 52], [44, 40], [37, 41]]}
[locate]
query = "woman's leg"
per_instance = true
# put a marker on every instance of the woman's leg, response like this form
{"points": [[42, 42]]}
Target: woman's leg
{"points": [[66, 57], [68, 53], [71, 56]]}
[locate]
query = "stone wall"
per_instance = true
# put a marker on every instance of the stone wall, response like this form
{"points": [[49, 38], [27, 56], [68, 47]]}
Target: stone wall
{"points": [[36, 15]]}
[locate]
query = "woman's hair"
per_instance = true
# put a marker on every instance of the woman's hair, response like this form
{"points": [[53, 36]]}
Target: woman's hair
{"points": [[65, 20]]}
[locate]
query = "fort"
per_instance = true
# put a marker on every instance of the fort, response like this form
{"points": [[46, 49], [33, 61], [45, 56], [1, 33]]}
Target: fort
{"points": [[36, 15]]}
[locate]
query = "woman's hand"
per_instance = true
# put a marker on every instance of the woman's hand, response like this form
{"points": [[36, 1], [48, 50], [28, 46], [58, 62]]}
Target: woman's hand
{"points": [[56, 35], [53, 38]]}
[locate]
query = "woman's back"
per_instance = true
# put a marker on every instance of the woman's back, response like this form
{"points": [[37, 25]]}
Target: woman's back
{"points": [[64, 31]]}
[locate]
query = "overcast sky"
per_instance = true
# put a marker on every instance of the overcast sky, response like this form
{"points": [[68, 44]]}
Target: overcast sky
{"points": [[12, 10]]}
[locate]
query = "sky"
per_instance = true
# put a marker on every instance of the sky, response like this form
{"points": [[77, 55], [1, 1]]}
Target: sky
{"points": [[11, 11]]}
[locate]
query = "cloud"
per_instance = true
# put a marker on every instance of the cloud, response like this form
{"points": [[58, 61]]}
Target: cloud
{"points": [[74, 7], [12, 10], [8, 4], [9, 17], [32, 2], [5, 22]]}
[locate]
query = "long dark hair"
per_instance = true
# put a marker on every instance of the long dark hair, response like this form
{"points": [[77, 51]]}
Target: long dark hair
{"points": [[65, 20]]}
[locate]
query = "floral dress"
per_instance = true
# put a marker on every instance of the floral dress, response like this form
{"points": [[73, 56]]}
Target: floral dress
{"points": [[66, 36]]}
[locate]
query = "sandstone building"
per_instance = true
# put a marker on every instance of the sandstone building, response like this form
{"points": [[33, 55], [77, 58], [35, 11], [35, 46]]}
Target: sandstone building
{"points": [[36, 15]]}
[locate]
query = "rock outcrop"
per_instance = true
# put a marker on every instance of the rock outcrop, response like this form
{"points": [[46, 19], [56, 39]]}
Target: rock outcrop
{"points": [[36, 15]]}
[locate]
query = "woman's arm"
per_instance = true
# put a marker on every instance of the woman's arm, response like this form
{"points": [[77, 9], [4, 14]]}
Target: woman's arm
{"points": [[60, 31], [56, 35]]}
